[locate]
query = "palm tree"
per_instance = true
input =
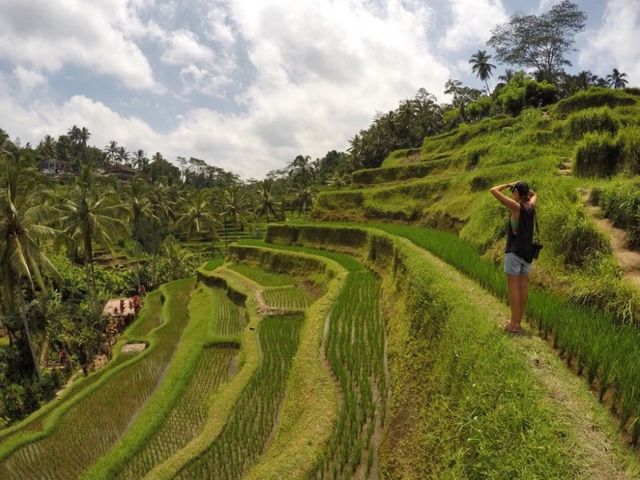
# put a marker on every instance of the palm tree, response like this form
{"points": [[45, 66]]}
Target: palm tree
{"points": [[481, 67], [139, 206], [301, 170], [122, 155], [617, 79], [90, 216], [162, 208], [140, 160], [266, 202], [111, 151], [21, 231], [198, 215], [304, 198], [508, 75]]}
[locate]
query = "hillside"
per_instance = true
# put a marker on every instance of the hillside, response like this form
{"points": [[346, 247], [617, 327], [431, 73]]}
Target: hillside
{"points": [[369, 343]]}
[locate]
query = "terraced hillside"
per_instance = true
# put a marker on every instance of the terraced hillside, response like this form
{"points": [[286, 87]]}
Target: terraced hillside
{"points": [[373, 347]]}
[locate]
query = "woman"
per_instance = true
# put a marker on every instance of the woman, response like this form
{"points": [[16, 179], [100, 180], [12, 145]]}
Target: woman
{"points": [[518, 253]]}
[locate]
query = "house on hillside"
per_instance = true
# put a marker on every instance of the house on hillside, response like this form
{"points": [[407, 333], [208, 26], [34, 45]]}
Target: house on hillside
{"points": [[124, 173], [55, 168]]}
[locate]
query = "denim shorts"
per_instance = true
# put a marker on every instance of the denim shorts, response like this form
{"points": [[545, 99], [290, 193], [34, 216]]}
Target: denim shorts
{"points": [[515, 265]]}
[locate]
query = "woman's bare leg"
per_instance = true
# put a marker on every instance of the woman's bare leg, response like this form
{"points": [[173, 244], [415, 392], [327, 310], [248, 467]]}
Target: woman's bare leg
{"points": [[524, 292], [513, 284]]}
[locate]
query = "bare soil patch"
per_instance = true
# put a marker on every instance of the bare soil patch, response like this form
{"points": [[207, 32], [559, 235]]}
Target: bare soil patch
{"points": [[133, 347], [628, 259]]}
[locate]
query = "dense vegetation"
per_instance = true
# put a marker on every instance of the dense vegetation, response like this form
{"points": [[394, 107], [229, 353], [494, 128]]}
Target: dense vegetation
{"points": [[360, 346]]}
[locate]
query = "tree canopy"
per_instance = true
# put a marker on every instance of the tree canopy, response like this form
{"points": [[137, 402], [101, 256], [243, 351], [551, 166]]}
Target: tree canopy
{"points": [[539, 41]]}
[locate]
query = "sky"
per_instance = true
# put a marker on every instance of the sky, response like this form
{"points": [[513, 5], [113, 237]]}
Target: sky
{"points": [[248, 85]]}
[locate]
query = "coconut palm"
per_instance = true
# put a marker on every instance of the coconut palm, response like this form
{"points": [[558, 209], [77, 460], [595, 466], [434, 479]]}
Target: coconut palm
{"points": [[162, 205], [199, 215], [140, 160], [21, 232], [139, 206], [266, 202], [236, 205], [301, 170], [507, 76], [89, 217], [617, 79], [481, 67], [111, 151], [304, 198]]}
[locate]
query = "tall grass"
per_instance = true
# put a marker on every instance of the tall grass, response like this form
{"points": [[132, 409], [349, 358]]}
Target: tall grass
{"points": [[262, 276], [253, 418], [355, 350], [620, 201], [187, 415], [594, 119], [97, 421], [597, 155], [604, 348], [288, 297]]}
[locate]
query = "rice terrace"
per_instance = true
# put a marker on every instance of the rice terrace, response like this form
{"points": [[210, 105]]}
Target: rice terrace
{"points": [[452, 292]]}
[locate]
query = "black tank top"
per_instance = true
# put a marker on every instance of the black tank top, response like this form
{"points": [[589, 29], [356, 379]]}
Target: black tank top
{"points": [[521, 243]]}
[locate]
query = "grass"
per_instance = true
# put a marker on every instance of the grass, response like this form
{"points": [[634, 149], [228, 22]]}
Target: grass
{"points": [[355, 350], [168, 421], [288, 297], [93, 424], [464, 406], [252, 420], [46, 417], [187, 415], [213, 263], [262, 276], [602, 348]]}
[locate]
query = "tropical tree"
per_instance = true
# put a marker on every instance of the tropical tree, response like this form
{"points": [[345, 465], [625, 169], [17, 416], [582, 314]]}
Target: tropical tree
{"points": [[303, 198], [539, 42], [162, 204], [21, 232], [91, 216], [140, 160], [301, 170], [617, 79], [198, 215], [481, 67], [111, 152], [236, 205], [139, 206], [266, 201]]}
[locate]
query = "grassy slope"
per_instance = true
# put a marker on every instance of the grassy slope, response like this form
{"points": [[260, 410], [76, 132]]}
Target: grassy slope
{"points": [[468, 404], [576, 260], [176, 380], [262, 276], [68, 445]]}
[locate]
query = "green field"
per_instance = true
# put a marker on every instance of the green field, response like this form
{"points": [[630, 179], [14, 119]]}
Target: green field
{"points": [[253, 418], [262, 276], [100, 417]]}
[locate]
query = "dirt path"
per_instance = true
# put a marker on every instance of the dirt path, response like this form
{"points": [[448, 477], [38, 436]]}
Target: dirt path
{"points": [[600, 449], [628, 259]]}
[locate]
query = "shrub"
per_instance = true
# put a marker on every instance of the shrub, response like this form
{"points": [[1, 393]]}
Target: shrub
{"points": [[573, 237], [621, 203], [523, 92], [598, 119], [593, 97], [473, 157], [480, 108], [629, 138], [597, 156]]}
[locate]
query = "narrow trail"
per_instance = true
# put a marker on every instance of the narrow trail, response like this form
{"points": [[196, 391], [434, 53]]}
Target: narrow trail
{"points": [[600, 448], [628, 259]]}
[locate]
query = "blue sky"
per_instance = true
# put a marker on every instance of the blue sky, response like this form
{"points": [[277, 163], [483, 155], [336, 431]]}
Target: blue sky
{"points": [[248, 85]]}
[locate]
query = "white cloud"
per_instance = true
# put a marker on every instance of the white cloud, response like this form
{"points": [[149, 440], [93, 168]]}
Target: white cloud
{"points": [[48, 35], [472, 23], [321, 69], [28, 79], [615, 43], [183, 48]]}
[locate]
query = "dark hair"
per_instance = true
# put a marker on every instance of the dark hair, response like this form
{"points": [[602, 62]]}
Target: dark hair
{"points": [[522, 188]]}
